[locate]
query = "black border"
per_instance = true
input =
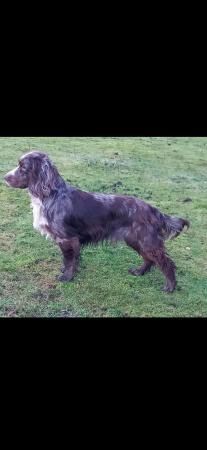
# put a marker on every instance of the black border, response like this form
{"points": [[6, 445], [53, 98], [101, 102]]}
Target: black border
{"points": [[111, 110]]}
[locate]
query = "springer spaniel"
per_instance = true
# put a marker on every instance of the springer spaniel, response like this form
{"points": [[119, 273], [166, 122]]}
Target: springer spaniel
{"points": [[73, 218]]}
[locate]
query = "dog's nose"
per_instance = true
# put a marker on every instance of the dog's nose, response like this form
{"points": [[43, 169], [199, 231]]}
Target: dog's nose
{"points": [[7, 178]]}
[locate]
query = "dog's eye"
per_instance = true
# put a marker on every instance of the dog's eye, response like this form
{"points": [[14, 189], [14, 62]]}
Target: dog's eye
{"points": [[22, 169]]}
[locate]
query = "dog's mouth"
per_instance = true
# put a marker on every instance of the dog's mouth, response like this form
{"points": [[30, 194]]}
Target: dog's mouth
{"points": [[10, 178], [7, 183], [12, 182]]}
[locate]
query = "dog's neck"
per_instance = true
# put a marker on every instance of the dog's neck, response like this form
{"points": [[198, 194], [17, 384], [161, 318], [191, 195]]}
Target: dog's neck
{"points": [[40, 222]]}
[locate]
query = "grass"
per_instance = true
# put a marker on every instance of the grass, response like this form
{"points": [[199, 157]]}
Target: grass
{"points": [[170, 173]]}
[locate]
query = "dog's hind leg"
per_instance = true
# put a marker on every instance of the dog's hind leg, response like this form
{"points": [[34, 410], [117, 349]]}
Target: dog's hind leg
{"points": [[146, 267], [166, 265], [158, 257], [151, 248]]}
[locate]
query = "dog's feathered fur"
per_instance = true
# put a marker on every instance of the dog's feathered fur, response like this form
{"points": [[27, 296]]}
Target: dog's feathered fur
{"points": [[74, 218]]}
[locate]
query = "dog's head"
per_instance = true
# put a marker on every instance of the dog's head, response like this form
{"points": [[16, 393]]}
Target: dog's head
{"points": [[34, 171]]}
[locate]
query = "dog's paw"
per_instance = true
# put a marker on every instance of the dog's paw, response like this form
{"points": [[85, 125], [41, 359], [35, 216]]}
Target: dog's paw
{"points": [[65, 277], [168, 289], [135, 272]]}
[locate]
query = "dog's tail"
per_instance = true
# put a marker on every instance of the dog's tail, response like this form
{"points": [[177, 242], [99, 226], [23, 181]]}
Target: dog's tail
{"points": [[173, 226]]}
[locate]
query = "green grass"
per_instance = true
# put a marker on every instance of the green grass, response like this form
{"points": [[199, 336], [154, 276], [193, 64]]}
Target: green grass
{"points": [[162, 171]]}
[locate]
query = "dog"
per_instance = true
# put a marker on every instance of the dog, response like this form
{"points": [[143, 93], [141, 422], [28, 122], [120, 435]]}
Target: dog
{"points": [[74, 218]]}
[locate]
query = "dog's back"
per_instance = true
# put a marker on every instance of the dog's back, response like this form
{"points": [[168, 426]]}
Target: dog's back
{"points": [[95, 217]]}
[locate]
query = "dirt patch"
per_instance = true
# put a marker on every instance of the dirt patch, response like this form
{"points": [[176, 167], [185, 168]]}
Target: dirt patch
{"points": [[45, 295], [10, 312], [6, 241]]}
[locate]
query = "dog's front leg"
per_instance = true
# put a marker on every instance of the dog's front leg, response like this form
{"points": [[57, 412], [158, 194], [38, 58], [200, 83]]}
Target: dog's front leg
{"points": [[70, 249]]}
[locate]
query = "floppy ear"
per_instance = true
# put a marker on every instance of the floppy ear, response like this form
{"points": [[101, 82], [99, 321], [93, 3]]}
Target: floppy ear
{"points": [[46, 177], [44, 183], [45, 180]]}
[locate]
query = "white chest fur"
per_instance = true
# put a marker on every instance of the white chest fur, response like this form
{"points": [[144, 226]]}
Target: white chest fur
{"points": [[40, 222]]}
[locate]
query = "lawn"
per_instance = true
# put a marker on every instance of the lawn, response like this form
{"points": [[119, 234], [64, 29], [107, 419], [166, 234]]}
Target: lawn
{"points": [[170, 173]]}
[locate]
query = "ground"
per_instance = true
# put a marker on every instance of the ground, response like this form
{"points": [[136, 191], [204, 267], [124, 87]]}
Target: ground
{"points": [[170, 173]]}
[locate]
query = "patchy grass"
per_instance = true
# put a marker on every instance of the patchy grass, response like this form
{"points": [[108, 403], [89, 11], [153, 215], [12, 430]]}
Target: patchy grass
{"points": [[170, 173]]}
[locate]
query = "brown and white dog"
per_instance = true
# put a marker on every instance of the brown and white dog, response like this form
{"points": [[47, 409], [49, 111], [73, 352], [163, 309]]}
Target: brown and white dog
{"points": [[73, 218]]}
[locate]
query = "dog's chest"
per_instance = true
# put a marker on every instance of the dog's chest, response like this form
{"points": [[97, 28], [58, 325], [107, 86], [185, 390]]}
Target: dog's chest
{"points": [[40, 222]]}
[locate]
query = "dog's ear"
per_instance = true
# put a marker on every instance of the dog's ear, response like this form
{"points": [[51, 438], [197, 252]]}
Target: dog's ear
{"points": [[42, 186], [46, 177]]}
